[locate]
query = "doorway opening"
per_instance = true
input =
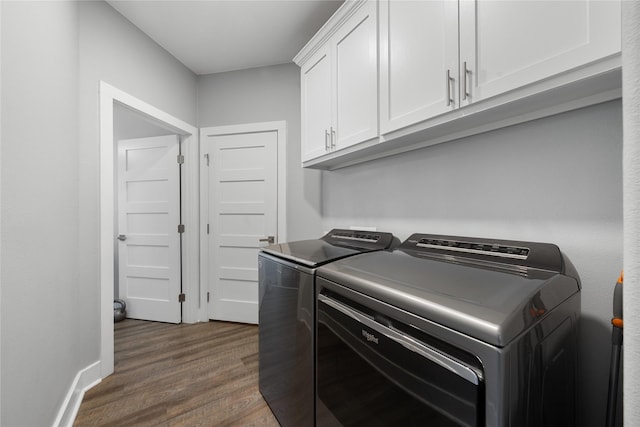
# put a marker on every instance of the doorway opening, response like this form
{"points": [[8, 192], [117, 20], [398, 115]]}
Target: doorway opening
{"points": [[114, 103]]}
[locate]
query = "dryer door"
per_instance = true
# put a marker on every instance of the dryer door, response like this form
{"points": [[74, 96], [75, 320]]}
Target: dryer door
{"points": [[372, 370]]}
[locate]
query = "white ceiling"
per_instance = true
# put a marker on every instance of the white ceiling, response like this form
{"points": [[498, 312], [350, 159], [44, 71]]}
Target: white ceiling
{"points": [[213, 36]]}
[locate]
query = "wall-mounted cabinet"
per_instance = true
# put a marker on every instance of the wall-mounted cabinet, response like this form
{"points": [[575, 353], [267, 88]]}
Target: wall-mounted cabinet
{"points": [[507, 45], [418, 61], [449, 69], [339, 86], [316, 105]]}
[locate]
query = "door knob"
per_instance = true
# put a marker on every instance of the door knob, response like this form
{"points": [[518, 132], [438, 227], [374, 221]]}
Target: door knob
{"points": [[122, 237], [270, 239]]}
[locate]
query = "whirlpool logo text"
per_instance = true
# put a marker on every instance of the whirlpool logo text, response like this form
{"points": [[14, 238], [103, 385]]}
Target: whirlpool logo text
{"points": [[369, 337]]}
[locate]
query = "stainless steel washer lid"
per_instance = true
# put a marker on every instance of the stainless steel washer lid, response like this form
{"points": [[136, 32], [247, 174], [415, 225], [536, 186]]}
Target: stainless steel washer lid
{"points": [[491, 304], [311, 253], [334, 245]]}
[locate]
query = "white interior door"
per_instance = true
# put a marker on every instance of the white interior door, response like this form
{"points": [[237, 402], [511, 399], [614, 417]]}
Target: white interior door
{"points": [[148, 218], [243, 209]]}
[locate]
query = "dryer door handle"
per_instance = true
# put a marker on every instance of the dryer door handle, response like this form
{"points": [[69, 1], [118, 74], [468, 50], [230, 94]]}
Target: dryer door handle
{"points": [[405, 340]]}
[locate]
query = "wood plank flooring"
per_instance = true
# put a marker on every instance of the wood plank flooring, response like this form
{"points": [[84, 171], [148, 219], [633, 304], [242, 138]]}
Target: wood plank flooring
{"points": [[205, 374]]}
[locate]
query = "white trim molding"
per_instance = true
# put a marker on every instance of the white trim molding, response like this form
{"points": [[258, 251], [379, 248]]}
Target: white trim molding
{"points": [[631, 209], [193, 310], [84, 380]]}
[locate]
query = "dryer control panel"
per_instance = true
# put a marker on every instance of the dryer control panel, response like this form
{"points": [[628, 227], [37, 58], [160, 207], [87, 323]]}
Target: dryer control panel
{"points": [[543, 256]]}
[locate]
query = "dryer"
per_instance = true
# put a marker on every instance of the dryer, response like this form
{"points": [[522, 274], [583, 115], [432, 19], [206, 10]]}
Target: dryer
{"points": [[448, 331]]}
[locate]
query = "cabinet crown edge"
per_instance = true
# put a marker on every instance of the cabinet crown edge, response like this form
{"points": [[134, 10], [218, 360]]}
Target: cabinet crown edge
{"points": [[348, 8]]}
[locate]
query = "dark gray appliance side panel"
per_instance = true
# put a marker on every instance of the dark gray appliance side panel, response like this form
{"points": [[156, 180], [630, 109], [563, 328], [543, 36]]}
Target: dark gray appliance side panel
{"points": [[286, 353], [544, 370]]}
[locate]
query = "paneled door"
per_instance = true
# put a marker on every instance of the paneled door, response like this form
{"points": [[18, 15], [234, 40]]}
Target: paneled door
{"points": [[148, 218], [242, 193]]}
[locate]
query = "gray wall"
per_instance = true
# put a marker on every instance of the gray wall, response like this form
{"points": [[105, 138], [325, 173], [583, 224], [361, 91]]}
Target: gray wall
{"points": [[53, 56], [262, 95], [555, 180], [40, 286]]}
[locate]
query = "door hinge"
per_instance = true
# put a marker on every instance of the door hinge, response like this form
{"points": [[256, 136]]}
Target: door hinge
{"points": [[181, 297], [207, 296], [180, 159], [206, 156], [180, 228]]}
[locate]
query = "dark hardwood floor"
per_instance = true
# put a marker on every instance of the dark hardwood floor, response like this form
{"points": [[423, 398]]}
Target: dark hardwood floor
{"points": [[205, 374]]}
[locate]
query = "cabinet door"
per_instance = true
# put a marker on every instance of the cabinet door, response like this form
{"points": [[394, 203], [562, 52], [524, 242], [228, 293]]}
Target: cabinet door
{"points": [[355, 50], [418, 49], [509, 44], [316, 105]]}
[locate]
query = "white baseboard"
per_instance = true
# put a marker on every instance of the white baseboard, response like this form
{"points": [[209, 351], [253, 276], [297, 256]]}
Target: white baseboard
{"points": [[84, 380]]}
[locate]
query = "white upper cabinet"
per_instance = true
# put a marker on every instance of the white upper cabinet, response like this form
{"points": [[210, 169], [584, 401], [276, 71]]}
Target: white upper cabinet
{"points": [[316, 105], [503, 45], [339, 85], [509, 44], [355, 50], [418, 61], [387, 76]]}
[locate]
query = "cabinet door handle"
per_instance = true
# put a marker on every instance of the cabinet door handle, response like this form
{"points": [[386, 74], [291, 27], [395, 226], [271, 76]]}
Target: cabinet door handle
{"points": [[326, 140], [448, 82], [269, 239], [465, 84], [333, 138]]}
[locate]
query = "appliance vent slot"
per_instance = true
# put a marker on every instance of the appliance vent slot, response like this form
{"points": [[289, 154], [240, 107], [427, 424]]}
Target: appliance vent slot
{"points": [[475, 248], [360, 237]]}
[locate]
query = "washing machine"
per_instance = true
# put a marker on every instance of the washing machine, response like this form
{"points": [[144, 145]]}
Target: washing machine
{"points": [[286, 275]]}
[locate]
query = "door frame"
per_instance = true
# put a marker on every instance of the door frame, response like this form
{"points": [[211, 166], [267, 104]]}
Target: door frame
{"points": [[192, 309], [280, 127]]}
